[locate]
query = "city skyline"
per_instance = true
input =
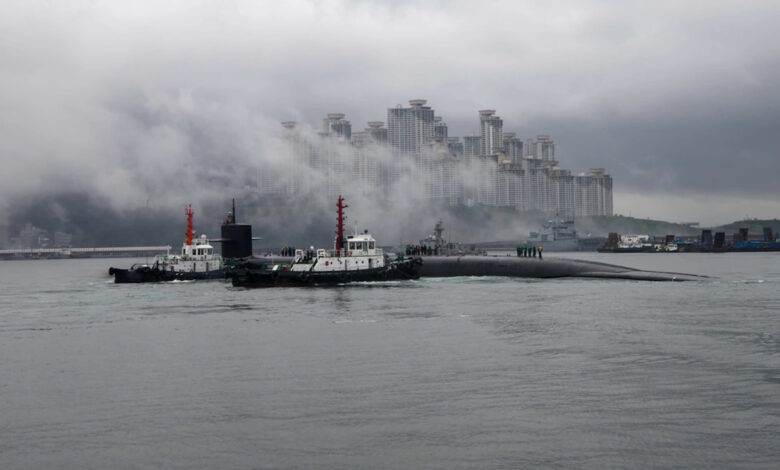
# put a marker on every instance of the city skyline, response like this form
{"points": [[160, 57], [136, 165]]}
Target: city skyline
{"points": [[676, 100], [496, 169]]}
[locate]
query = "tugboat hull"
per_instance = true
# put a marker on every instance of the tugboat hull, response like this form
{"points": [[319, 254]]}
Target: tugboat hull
{"points": [[147, 274], [246, 276]]}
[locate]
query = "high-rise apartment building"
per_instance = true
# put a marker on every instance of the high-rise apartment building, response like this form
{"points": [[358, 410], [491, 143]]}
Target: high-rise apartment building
{"points": [[439, 127], [513, 148], [377, 132], [281, 175], [562, 194], [335, 125], [509, 188], [493, 168], [542, 148], [593, 193], [455, 147], [471, 146], [408, 129], [491, 132]]}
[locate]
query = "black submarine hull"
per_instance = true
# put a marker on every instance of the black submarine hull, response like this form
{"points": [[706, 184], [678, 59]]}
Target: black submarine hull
{"points": [[509, 266], [453, 266]]}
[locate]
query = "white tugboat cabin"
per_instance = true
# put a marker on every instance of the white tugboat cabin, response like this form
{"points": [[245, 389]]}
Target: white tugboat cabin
{"points": [[359, 253], [197, 256]]}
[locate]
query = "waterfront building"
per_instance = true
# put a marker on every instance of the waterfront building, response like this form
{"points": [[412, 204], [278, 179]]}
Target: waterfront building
{"points": [[455, 147], [335, 125], [439, 128], [62, 239], [366, 168], [408, 129], [444, 186], [492, 169], [513, 148], [562, 192], [471, 147], [509, 187], [377, 132], [486, 180], [542, 148], [593, 193], [31, 237], [490, 132], [282, 176]]}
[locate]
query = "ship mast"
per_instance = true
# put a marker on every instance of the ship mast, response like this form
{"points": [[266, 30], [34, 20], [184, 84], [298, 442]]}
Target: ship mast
{"points": [[340, 226], [189, 224]]}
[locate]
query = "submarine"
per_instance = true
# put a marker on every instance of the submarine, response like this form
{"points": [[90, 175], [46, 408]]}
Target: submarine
{"points": [[453, 266], [237, 245], [548, 268]]}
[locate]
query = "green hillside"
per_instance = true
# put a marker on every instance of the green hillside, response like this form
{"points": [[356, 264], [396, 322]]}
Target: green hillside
{"points": [[602, 225], [754, 226]]}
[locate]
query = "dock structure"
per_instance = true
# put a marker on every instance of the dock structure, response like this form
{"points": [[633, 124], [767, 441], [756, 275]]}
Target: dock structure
{"points": [[88, 252]]}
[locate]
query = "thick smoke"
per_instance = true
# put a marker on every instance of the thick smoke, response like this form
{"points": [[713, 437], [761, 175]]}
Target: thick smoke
{"points": [[165, 151], [136, 105]]}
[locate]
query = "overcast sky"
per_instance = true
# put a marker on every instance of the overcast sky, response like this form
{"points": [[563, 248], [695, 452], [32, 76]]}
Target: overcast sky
{"points": [[678, 100]]}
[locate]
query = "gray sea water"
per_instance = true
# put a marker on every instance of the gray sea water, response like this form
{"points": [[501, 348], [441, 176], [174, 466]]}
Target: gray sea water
{"points": [[486, 373]]}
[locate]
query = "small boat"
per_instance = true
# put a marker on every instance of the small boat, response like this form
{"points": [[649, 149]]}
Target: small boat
{"points": [[197, 261], [355, 258]]}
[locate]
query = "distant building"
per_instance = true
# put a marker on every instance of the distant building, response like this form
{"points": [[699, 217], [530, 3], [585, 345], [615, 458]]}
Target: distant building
{"points": [[366, 168], [494, 168], [31, 237], [377, 132], [491, 132], [62, 239], [284, 176], [455, 147], [509, 185], [335, 125], [471, 146], [542, 148], [439, 128], [562, 192], [408, 129], [593, 193], [513, 148]]}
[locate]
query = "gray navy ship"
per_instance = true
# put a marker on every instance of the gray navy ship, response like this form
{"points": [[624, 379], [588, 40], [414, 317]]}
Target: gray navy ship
{"points": [[560, 234]]}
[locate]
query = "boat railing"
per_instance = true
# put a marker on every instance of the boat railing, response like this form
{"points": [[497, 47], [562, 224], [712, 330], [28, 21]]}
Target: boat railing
{"points": [[344, 253]]}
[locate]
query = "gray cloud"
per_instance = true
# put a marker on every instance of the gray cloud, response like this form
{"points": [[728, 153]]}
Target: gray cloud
{"points": [[126, 98]]}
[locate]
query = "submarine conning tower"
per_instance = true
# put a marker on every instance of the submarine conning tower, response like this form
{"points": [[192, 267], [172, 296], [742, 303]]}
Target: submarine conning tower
{"points": [[236, 238]]}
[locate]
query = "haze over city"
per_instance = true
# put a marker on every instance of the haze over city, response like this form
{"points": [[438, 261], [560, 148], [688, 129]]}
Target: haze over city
{"points": [[179, 100], [348, 234]]}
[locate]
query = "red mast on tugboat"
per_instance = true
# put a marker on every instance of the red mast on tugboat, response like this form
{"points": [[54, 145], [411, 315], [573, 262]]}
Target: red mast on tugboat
{"points": [[340, 226], [189, 224]]}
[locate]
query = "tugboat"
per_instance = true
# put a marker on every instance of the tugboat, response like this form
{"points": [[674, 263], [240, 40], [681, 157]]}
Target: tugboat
{"points": [[355, 258], [196, 262]]}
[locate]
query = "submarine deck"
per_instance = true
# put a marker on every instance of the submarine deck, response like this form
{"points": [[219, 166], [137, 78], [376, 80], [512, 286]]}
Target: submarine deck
{"points": [[474, 265]]}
